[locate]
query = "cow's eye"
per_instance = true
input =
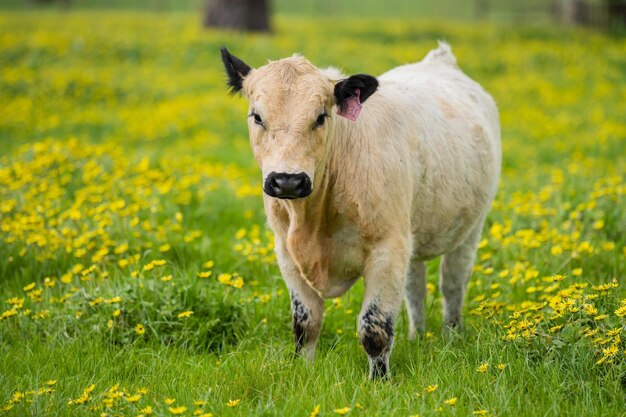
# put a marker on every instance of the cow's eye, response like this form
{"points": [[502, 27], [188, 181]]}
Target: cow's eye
{"points": [[257, 119], [321, 119]]}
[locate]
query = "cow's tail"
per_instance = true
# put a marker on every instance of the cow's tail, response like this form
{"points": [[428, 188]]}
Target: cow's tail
{"points": [[443, 54]]}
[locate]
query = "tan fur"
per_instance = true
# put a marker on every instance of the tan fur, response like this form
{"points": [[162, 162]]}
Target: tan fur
{"points": [[412, 178]]}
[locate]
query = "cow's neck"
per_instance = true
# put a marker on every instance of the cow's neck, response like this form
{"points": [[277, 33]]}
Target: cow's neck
{"points": [[306, 238]]}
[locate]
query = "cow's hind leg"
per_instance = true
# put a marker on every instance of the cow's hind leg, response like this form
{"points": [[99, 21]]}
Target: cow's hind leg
{"points": [[414, 294], [455, 271], [385, 275]]}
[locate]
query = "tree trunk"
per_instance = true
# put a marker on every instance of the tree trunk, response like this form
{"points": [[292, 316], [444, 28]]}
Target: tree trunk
{"points": [[250, 15]]}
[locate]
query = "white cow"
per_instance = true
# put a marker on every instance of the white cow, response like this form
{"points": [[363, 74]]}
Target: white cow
{"points": [[374, 194]]}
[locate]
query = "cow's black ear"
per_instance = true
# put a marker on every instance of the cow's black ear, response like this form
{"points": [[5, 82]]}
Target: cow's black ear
{"points": [[236, 70], [344, 89]]}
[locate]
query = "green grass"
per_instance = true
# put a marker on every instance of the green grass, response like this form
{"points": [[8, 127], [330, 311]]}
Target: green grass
{"points": [[502, 10], [131, 107]]}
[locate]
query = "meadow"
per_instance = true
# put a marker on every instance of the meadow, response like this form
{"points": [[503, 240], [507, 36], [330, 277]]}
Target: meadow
{"points": [[138, 277]]}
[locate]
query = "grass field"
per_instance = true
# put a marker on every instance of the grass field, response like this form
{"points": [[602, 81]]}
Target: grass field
{"points": [[138, 277]]}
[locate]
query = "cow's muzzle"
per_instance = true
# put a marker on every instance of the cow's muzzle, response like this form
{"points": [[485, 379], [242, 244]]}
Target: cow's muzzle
{"points": [[288, 186]]}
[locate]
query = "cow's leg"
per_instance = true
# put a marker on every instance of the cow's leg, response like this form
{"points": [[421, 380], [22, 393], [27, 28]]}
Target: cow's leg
{"points": [[414, 294], [385, 276], [454, 273], [307, 307]]}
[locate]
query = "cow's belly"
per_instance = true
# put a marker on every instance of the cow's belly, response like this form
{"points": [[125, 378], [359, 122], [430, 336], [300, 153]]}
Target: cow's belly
{"points": [[432, 239], [345, 263], [429, 245]]}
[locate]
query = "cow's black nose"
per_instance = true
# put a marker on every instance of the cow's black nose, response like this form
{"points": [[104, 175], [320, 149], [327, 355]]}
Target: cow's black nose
{"points": [[289, 186]]}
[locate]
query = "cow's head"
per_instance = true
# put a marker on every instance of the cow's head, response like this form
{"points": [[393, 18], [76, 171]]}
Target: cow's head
{"points": [[290, 117]]}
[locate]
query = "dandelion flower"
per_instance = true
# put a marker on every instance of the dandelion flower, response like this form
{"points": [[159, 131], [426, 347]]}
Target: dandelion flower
{"points": [[224, 278], [185, 314], [483, 367], [315, 412], [139, 329], [431, 388], [133, 398], [608, 246], [342, 411], [556, 250], [178, 410], [233, 403], [451, 401], [236, 283]]}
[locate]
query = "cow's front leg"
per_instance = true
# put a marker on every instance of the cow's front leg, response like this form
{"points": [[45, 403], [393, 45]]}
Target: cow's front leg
{"points": [[307, 310], [385, 275], [307, 307]]}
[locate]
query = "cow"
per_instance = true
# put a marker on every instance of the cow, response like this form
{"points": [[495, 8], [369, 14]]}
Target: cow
{"points": [[371, 177]]}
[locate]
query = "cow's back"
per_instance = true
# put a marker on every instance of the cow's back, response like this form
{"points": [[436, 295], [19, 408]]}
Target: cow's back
{"points": [[434, 130]]}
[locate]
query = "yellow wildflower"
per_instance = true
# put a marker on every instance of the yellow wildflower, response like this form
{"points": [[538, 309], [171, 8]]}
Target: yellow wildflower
{"points": [[133, 398], [451, 401], [139, 329], [315, 412], [178, 410], [431, 388]]}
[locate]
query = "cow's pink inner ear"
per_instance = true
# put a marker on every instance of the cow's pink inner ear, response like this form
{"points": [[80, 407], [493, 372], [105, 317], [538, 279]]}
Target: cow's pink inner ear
{"points": [[351, 107]]}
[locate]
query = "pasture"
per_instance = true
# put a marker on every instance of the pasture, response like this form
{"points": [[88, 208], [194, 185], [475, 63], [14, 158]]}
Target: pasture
{"points": [[138, 277]]}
